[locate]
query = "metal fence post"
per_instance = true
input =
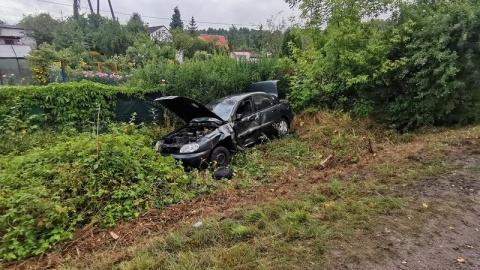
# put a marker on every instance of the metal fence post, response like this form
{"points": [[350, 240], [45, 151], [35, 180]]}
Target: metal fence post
{"points": [[64, 75]]}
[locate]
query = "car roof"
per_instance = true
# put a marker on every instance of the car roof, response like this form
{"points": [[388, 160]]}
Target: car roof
{"points": [[239, 97]]}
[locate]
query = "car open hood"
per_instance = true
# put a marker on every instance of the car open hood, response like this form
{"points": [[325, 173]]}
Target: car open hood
{"points": [[186, 108], [269, 87]]}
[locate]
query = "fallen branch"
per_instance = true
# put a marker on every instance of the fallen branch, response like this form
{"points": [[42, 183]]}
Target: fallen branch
{"points": [[325, 161]]}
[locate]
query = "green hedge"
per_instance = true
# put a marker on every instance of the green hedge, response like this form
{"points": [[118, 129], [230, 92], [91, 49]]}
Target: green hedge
{"points": [[61, 105]]}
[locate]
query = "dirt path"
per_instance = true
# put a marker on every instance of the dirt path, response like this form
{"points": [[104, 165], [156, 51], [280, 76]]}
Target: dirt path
{"points": [[442, 233]]}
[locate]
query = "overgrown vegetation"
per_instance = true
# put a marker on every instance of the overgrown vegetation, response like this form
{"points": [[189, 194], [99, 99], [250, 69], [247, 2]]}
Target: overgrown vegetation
{"points": [[210, 79], [47, 192], [305, 214], [418, 67]]}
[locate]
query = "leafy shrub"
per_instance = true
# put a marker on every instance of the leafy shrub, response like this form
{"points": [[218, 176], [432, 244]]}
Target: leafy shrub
{"points": [[437, 82], [47, 192], [417, 68], [208, 79]]}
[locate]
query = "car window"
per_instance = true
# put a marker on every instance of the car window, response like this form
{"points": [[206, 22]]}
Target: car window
{"points": [[245, 108], [222, 108], [262, 101]]}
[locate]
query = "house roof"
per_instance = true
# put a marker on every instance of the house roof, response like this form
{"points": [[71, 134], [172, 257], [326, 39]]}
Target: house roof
{"points": [[219, 40], [153, 29], [9, 26]]}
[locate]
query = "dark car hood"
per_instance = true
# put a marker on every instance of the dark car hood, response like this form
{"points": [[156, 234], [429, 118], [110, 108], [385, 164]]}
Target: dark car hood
{"points": [[186, 108], [269, 87]]}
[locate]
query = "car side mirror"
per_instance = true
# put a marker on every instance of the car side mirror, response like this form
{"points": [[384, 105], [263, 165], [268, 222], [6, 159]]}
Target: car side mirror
{"points": [[239, 117]]}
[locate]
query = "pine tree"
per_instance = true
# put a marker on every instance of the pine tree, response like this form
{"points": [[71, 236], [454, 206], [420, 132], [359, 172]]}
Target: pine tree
{"points": [[176, 20], [192, 27], [135, 24]]}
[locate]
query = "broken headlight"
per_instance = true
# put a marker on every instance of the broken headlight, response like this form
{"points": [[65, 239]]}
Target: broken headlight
{"points": [[189, 148]]}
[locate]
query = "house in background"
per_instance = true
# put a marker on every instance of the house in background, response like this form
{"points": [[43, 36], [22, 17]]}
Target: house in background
{"points": [[220, 41], [159, 33], [15, 35], [243, 55]]}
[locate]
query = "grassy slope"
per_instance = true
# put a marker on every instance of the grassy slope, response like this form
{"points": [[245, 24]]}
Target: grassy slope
{"points": [[301, 206]]}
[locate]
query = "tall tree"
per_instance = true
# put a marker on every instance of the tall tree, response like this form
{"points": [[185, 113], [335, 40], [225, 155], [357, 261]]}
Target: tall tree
{"points": [[41, 27], [135, 24], [176, 20], [192, 26], [233, 38], [290, 39], [69, 34]]}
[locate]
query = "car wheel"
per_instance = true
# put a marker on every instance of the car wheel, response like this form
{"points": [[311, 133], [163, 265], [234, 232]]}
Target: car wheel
{"points": [[220, 156], [283, 127]]}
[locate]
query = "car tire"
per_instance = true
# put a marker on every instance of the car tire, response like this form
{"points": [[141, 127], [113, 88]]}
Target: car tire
{"points": [[220, 156], [283, 127]]}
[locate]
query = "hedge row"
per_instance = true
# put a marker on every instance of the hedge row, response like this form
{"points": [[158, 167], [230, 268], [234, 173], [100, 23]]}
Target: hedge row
{"points": [[74, 104]]}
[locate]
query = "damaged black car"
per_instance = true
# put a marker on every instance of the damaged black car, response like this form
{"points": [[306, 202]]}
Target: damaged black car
{"points": [[225, 126]]}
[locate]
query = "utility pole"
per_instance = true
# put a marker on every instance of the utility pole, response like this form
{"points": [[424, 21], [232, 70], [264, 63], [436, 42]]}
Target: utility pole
{"points": [[90, 5], [98, 7], [76, 8], [111, 9]]}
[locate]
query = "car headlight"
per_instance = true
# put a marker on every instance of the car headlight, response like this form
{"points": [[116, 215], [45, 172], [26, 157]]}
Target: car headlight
{"points": [[189, 148]]}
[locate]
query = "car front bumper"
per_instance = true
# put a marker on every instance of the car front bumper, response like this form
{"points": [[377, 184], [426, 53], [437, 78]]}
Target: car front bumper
{"points": [[196, 160]]}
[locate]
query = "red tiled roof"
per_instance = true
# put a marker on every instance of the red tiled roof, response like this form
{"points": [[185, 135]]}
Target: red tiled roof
{"points": [[219, 40]]}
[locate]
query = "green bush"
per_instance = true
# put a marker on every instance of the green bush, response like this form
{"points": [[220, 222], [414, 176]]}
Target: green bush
{"points": [[437, 82], [48, 192], [417, 68], [209, 79]]}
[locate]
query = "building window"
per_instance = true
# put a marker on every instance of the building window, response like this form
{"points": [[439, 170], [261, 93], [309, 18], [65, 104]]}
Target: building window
{"points": [[9, 41]]}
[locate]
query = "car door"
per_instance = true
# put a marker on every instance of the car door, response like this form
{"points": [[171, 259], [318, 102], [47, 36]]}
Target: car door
{"points": [[268, 113], [247, 123]]}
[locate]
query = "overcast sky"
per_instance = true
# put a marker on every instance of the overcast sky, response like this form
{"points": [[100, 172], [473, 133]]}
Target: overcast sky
{"points": [[207, 13]]}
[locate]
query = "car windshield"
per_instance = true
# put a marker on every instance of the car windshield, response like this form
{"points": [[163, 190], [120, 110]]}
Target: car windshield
{"points": [[222, 108]]}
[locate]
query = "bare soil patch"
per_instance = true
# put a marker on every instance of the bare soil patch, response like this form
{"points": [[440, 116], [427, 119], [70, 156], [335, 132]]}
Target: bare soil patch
{"points": [[440, 231]]}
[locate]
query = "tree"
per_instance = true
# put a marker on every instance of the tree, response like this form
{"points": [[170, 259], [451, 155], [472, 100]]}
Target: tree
{"points": [[111, 39], [192, 27], [272, 37], [2, 22], [321, 12], [69, 34], [437, 81], [41, 27], [144, 51], [176, 20], [233, 38], [135, 24], [289, 40]]}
